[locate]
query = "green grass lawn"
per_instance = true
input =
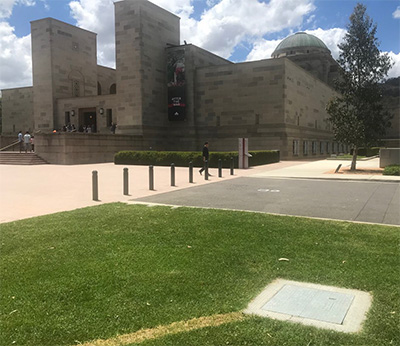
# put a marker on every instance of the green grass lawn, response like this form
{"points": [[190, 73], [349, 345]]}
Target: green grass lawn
{"points": [[115, 269]]}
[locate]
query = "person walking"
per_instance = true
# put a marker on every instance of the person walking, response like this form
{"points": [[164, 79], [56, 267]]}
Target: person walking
{"points": [[205, 158], [27, 141], [20, 140]]}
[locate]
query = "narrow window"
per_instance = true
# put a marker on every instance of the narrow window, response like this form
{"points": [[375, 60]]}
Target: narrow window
{"points": [[305, 147], [109, 117], [75, 88], [296, 147]]}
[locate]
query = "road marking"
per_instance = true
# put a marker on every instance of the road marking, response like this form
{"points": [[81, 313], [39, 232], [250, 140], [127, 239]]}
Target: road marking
{"points": [[267, 190]]}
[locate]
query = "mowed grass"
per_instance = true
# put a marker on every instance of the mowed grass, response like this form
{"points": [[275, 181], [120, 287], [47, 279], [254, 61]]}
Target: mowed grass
{"points": [[97, 272]]}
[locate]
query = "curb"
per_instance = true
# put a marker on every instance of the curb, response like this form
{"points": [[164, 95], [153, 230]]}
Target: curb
{"points": [[336, 179]]}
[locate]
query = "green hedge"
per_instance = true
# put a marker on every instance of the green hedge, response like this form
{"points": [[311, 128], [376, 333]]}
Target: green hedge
{"points": [[392, 170], [182, 158], [368, 152]]}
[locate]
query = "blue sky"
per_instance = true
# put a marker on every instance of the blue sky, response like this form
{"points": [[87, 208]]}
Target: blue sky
{"points": [[239, 30]]}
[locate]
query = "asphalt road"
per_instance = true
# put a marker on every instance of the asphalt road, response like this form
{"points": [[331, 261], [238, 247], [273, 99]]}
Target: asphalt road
{"points": [[377, 202]]}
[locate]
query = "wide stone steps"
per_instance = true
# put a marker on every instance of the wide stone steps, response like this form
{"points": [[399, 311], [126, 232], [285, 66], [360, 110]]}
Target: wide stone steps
{"points": [[16, 158]]}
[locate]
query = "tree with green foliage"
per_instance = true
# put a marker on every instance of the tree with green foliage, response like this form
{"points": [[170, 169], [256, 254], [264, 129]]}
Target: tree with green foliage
{"points": [[357, 114]]}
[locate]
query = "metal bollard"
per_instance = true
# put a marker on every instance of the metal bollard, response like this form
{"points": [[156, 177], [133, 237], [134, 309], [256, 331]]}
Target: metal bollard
{"points": [[206, 171], [151, 178], [126, 182], [190, 172], [220, 168], [172, 174], [232, 165], [95, 186]]}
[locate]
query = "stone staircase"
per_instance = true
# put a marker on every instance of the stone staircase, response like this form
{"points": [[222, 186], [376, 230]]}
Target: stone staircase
{"points": [[17, 158]]}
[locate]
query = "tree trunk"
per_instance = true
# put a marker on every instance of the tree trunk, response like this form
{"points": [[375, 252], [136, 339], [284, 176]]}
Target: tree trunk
{"points": [[354, 160]]}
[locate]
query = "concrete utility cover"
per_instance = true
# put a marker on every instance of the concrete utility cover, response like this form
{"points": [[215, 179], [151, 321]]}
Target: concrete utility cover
{"points": [[311, 303], [320, 306]]}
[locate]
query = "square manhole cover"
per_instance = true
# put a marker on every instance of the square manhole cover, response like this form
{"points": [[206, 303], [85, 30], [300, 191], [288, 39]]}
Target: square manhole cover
{"points": [[311, 303], [321, 306]]}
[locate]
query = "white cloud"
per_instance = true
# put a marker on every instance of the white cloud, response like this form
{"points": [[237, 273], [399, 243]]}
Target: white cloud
{"points": [[331, 38], [211, 3], [97, 16], [27, 2], [222, 27], [6, 7], [396, 14], [15, 58], [182, 8], [262, 49], [395, 70]]}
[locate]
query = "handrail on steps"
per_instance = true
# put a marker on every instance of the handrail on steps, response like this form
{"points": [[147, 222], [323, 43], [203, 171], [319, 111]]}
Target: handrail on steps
{"points": [[9, 146]]}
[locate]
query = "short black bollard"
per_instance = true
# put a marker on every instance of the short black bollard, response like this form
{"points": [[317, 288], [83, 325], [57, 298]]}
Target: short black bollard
{"points": [[338, 168], [95, 186], [172, 174], [190, 172], [220, 168], [232, 165], [206, 170], [126, 182], [151, 178]]}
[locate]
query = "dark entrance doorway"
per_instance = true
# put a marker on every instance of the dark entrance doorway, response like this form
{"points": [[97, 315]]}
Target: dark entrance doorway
{"points": [[88, 119]]}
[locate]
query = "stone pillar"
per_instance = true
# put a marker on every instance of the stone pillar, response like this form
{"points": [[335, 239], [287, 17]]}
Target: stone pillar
{"points": [[142, 33], [64, 65]]}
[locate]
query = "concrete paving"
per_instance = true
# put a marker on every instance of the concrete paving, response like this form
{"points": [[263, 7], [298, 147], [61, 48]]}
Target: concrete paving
{"points": [[322, 169], [363, 201], [28, 191]]}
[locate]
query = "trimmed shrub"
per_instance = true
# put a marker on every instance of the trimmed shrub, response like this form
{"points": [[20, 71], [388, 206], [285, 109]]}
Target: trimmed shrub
{"points": [[368, 152], [391, 170], [182, 158]]}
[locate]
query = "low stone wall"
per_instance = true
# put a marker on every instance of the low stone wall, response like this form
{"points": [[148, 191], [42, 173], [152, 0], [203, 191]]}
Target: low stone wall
{"points": [[81, 148], [8, 139], [389, 156]]}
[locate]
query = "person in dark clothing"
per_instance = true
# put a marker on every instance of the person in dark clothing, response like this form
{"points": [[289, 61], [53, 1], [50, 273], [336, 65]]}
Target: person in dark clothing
{"points": [[205, 158]]}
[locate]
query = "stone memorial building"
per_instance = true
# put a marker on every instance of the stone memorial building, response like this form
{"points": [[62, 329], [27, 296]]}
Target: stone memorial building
{"points": [[167, 96]]}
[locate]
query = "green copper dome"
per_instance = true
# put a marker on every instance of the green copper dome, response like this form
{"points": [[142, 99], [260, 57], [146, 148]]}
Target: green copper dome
{"points": [[299, 40]]}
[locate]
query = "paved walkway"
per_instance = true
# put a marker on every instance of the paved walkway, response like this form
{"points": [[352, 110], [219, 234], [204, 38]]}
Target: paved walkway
{"points": [[323, 169], [28, 191]]}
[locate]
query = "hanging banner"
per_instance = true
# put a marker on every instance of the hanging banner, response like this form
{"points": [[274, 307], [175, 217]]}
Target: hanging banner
{"points": [[176, 85]]}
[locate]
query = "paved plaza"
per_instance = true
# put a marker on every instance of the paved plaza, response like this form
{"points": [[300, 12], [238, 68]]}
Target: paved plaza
{"points": [[289, 187]]}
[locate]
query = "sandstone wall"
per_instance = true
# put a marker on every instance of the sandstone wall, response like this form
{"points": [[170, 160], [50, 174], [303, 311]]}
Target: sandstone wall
{"points": [[106, 77], [64, 64], [17, 110], [305, 100], [142, 32], [78, 148], [94, 103]]}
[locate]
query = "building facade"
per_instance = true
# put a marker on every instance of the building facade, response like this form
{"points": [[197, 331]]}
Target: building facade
{"points": [[167, 96]]}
